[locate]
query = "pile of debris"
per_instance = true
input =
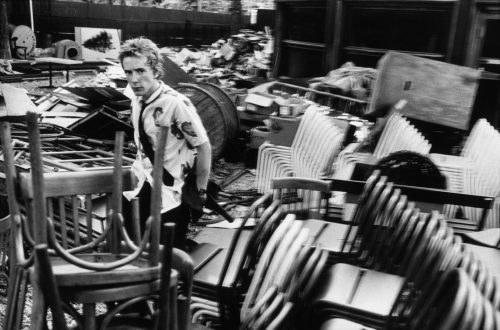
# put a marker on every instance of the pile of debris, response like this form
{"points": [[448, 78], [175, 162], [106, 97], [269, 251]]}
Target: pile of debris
{"points": [[242, 56]]}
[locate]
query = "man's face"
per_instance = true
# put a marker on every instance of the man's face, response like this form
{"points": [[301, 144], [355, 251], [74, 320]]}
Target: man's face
{"points": [[140, 75]]}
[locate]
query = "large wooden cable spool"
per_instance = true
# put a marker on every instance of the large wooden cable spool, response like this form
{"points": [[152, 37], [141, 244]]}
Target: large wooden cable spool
{"points": [[217, 112]]}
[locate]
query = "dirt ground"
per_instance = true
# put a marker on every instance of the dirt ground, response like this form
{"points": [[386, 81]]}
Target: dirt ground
{"points": [[236, 180]]}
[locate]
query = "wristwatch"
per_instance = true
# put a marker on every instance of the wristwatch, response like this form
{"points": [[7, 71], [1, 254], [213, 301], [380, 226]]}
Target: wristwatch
{"points": [[202, 191]]}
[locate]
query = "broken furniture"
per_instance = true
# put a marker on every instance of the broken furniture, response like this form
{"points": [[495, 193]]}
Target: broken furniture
{"points": [[435, 92]]}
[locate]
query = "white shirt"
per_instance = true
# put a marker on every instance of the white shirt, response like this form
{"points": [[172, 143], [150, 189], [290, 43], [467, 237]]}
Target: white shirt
{"points": [[167, 107]]}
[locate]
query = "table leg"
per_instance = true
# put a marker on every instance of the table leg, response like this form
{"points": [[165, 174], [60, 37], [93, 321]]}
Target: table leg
{"points": [[50, 74]]}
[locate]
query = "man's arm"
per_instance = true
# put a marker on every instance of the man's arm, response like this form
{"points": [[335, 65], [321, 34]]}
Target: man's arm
{"points": [[203, 164]]}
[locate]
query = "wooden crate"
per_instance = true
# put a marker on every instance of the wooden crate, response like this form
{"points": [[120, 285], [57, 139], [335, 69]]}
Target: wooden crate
{"points": [[437, 92]]}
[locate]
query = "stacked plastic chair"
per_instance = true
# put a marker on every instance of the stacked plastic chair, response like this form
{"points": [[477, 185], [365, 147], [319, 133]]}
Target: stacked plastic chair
{"points": [[316, 144], [398, 134], [476, 171]]}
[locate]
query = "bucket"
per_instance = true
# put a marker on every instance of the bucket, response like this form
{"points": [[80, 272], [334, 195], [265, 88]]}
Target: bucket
{"points": [[217, 112]]}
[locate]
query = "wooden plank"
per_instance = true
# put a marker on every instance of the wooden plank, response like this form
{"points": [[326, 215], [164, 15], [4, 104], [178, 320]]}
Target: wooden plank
{"points": [[436, 92]]}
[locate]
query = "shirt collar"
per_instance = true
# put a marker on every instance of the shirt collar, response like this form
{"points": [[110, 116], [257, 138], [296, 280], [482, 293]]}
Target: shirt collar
{"points": [[155, 94]]}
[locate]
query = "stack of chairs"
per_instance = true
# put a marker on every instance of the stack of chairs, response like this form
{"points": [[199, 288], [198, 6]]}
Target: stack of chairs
{"points": [[383, 265], [221, 279], [390, 263], [314, 148], [84, 270], [284, 278], [475, 171], [249, 286], [398, 134]]}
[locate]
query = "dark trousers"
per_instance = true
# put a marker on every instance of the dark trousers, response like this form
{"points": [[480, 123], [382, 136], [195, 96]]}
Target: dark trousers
{"points": [[179, 215]]}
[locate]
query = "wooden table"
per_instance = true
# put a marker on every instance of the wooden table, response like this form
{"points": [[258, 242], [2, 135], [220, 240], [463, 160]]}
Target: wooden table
{"points": [[66, 64]]}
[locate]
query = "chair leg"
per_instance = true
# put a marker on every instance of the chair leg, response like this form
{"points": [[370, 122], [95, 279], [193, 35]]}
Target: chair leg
{"points": [[16, 298], [38, 310], [183, 263], [173, 322], [89, 317]]}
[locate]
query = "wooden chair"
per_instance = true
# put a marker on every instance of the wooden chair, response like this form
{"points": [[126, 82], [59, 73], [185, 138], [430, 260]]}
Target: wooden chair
{"points": [[4, 247], [306, 198], [109, 268]]}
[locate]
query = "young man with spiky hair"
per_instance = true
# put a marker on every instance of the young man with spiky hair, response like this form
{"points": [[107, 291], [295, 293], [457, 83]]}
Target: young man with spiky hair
{"points": [[188, 149]]}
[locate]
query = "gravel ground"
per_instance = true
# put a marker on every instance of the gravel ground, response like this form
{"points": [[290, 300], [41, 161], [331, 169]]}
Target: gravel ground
{"points": [[243, 186]]}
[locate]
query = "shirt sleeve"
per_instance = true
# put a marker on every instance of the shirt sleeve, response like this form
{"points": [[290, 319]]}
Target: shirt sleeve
{"points": [[179, 114]]}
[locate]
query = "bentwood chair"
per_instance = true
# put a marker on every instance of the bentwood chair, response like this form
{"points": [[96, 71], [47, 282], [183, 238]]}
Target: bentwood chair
{"points": [[97, 267]]}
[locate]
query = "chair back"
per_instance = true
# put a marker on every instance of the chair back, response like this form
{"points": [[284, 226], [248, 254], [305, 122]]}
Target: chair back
{"points": [[305, 197], [57, 196], [399, 134]]}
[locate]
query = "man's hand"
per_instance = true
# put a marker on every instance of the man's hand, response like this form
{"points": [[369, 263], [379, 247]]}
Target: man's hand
{"points": [[203, 195]]}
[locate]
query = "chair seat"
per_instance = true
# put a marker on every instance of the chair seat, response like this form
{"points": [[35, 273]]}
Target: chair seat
{"points": [[208, 275], [202, 254], [350, 287], [105, 293], [488, 237], [489, 256], [342, 324], [72, 275], [332, 237]]}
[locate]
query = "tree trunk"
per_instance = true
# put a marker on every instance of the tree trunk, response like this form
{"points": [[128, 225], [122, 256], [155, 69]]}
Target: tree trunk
{"points": [[235, 16], [4, 31]]}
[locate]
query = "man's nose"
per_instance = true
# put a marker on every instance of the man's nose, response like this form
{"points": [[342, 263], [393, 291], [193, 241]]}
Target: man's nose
{"points": [[134, 77]]}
